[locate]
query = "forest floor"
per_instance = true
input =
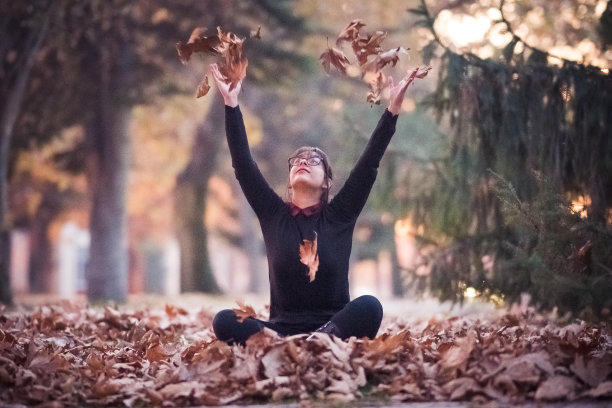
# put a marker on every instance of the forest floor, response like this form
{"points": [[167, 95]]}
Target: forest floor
{"points": [[160, 351]]}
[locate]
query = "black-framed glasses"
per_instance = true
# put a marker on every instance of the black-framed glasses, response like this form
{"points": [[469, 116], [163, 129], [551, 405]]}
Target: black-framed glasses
{"points": [[310, 161]]}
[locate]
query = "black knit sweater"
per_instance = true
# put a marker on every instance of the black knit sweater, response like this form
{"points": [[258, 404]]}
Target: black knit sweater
{"points": [[295, 302]]}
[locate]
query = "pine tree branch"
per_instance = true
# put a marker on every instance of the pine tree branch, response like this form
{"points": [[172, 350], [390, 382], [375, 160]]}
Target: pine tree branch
{"points": [[517, 38]]}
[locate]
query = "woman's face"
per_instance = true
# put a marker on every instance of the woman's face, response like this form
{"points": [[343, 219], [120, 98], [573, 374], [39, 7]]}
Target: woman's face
{"points": [[303, 175]]}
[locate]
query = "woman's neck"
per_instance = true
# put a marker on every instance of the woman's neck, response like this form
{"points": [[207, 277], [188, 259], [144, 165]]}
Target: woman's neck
{"points": [[304, 198]]}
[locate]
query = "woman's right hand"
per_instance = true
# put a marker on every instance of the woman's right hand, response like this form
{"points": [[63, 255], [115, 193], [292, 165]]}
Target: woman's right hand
{"points": [[230, 97]]}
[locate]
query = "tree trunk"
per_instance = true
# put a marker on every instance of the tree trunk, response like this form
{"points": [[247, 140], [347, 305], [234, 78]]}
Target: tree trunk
{"points": [[40, 265], [108, 144], [191, 194], [11, 107]]}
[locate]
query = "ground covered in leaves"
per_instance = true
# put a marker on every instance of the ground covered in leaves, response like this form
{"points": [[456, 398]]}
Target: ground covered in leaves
{"points": [[74, 355]]}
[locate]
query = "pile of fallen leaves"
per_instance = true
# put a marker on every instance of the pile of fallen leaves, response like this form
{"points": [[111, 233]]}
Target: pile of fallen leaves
{"points": [[370, 57], [73, 355]]}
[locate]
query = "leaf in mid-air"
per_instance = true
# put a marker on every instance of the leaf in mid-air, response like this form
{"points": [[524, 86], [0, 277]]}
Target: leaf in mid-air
{"points": [[256, 33], [364, 47], [380, 60], [350, 32], [334, 57], [198, 43], [203, 87]]}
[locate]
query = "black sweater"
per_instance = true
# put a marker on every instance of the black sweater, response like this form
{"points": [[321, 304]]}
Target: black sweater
{"points": [[295, 302]]}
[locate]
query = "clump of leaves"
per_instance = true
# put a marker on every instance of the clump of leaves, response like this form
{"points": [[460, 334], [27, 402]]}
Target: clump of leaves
{"points": [[226, 47], [370, 56]]}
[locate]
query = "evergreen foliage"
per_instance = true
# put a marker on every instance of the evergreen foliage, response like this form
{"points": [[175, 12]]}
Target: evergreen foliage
{"points": [[519, 116]]}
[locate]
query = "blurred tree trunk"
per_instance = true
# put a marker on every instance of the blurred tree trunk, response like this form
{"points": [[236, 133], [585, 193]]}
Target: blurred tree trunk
{"points": [[13, 89], [397, 283], [108, 154], [191, 195], [40, 265]]}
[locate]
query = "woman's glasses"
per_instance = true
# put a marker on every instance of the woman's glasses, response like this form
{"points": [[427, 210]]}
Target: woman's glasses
{"points": [[310, 161]]}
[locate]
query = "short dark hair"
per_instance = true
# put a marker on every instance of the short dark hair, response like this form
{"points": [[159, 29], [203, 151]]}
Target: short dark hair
{"points": [[326, 167]]}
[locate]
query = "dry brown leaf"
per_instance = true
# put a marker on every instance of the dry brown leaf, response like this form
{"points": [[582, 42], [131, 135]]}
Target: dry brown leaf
{"points": [[310, 257], [603, 390], [244, 311], [382, 59], [350, 32], [203, 87], [256, 33], [457, 355], [171, 310], [376, 88], [364, 47], [333, 57], [558, 387], [198, 43]]}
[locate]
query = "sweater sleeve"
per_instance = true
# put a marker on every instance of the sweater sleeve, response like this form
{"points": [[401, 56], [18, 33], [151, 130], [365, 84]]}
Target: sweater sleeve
{"points": [[259, 194], [351, 198]]}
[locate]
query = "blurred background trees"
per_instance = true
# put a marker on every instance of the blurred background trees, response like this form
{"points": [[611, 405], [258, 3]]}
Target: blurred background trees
{"points": [[497, 182]]}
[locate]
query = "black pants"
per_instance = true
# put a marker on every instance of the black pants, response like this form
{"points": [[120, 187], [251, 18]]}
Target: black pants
{"points": [[360, 318]]}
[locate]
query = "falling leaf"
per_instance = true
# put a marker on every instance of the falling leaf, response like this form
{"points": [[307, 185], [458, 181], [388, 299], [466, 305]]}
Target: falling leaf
{"points": [[364, 47], [244, 311], [203, 87], [335, 58], [256, 33], [379, 61], [197, 43], [376, 88], [350, 32], [309, 256]]}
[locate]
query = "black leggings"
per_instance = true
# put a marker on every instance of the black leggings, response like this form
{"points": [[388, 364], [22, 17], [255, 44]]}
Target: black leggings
{"points": [[359, 318]]}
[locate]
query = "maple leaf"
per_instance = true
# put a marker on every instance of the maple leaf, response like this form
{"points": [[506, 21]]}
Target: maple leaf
{"points": [[197, 43], [203, 87], [309, 256], [244, 311], [350, 32], [333, 57]]}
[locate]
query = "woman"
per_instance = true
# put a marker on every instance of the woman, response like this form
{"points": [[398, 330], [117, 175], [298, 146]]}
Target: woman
{"points": [[304, 299]]}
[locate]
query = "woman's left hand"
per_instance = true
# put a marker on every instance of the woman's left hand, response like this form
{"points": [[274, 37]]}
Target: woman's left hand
{"points": [[397, 92]]}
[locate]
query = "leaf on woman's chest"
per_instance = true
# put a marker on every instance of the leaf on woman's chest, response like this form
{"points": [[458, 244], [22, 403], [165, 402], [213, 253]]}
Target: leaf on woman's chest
{"points": [[309, 256]]}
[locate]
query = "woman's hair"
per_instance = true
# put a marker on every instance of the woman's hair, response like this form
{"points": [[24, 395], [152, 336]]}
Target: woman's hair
{"points": [[328, 177]]}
